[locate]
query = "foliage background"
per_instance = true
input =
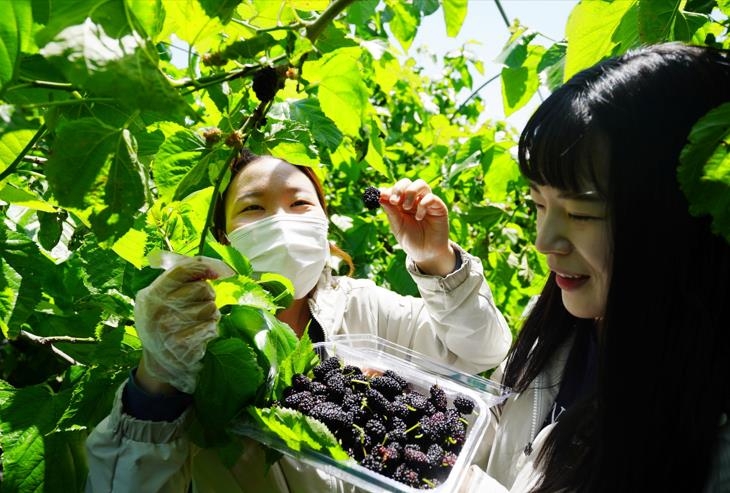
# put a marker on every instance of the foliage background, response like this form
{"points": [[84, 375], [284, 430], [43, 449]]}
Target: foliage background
{"points": [[109, 151]]}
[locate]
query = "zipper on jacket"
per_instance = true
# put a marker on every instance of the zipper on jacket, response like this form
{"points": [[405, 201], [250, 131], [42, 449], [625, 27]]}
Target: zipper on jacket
{"points": [[316, 333], [533, 425]]}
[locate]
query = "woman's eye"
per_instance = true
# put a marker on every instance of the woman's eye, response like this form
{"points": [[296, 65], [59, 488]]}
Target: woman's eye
{"points": [[252, 207], [301, 202], [581, 217]]}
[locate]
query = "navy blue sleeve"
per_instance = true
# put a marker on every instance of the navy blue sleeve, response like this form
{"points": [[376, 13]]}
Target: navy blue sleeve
{"points": [[152, 407]]}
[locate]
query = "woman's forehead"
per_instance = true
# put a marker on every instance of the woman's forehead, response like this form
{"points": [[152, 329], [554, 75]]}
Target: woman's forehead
{"points": [[270, 173]]}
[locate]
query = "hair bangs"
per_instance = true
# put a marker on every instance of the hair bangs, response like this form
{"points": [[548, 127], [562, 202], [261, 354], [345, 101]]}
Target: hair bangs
{"points": [[559, 148]]}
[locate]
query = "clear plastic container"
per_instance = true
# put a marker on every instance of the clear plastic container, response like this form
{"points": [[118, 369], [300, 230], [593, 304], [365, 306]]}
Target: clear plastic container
{"points": [[373, 353]]}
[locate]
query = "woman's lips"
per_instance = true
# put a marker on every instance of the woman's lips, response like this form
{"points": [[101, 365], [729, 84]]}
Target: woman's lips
{"points": [[569, 283]]}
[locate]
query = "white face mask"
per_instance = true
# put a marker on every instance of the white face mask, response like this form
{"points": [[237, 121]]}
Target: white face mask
{"points": [[294, 246]]}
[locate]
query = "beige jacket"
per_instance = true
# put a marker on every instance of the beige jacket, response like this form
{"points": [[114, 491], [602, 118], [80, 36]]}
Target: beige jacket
{"points": [[514, 429], [454, 321]]}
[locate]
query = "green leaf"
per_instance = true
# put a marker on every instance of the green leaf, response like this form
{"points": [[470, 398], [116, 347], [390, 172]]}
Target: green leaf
{"points": [[552, 65], [36, 271], [81, 151], [241, 290], [115, 68], [124, 191], [403, 23], [26, 416], [299, 432], [223, 9], [9, 287], [301, 360], [131, 247], [666, 21], [249, 48], [228, 382], [485, 215], [11, 144], [50, 228], [94, 165], [279, 288], [149, 13], [704, 172], [323, 129], [65, 465], [91, 398], [359, 13], [16, 23], [110, 14], [179, 155], [11, 194], [597, 29], [230, 256], [519, 84], [398, 277], [454, 15], [343, 96]]}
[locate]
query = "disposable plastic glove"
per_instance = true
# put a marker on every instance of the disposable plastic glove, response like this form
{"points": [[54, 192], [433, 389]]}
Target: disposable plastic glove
{"points": [[176, 316]]}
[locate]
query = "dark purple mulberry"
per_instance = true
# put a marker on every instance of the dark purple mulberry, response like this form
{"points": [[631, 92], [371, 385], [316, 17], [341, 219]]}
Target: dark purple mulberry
{"points": [[416, 459], [266, 82], [386, 386], [375, 429], [300, 382], [371, 198], [322, 369], [332, 415], [463, 404], [402, 381], [438, 398], [377, 402], [406, 475]]}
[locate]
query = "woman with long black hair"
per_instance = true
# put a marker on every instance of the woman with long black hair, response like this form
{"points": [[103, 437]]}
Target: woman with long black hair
{"points": [[622, 368]]}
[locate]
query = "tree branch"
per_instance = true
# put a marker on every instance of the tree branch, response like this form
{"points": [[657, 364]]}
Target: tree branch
{"points": [[49, 341], [245, 131], [10, 169], [333, 10], [502, 12], [474, 93]]}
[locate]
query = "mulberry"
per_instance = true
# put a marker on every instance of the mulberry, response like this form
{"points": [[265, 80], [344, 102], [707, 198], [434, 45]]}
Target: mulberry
{"points": [[321, 370], [438, 398], [463, 404], [371, 198], [386, 386]]}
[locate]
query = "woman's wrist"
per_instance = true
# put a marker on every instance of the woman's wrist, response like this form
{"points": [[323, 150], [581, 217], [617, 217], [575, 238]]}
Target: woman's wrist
{"points": [[441, 265], [150, 384]]}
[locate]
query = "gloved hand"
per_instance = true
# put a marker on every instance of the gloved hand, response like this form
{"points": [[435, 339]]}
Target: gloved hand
{"points": [[176, 316]]}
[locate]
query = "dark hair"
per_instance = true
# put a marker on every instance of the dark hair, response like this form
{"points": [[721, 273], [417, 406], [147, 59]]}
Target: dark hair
{"points": [[246, 157], [664, 364]]}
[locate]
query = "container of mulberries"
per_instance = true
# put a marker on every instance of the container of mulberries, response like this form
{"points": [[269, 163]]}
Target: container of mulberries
{"points": [[406, 422]]}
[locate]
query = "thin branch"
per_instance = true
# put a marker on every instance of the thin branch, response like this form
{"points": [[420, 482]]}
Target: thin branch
{"points": [[35, 159], [45, 84], [245, 131], [11, 169], [45, 341], [258, 30], [49, 341], [498, 3], [474, 93]]}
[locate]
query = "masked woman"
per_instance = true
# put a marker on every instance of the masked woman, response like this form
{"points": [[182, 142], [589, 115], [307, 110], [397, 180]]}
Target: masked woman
{"points": [[275, 214]]}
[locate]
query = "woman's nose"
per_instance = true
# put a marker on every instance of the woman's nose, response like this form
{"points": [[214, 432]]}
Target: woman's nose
{"points": [[552, 236]]}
